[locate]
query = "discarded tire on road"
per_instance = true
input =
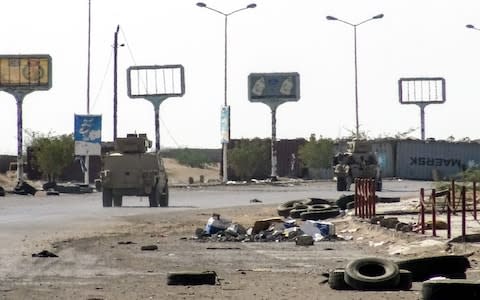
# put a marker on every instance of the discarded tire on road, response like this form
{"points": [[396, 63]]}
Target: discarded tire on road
{"points": [[372, 273], [336, 280], [284, 209], [314, 201], [450, 289], [343, 200], [406, 279], [321, 214], [191, 278], [295, 213], [424, 268]]}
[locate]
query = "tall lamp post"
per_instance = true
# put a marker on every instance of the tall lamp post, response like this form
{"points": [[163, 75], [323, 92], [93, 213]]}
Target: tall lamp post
{"points": [[331, 18], [472, 27], [225, 142]]}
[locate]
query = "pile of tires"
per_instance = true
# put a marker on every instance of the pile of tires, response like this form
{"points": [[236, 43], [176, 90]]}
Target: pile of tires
{"points": [[308, 209], [370, 273]]}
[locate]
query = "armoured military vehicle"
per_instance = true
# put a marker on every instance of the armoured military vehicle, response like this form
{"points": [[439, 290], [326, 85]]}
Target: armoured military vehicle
{"points": [[359, 161], [129, 170]]}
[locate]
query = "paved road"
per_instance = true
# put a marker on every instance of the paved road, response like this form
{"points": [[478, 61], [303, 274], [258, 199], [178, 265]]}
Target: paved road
{"points": [[25, 218], [18, 212]]}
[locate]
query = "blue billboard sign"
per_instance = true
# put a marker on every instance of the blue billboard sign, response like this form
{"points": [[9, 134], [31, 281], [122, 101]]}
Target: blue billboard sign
{"points": [[88, 134]]}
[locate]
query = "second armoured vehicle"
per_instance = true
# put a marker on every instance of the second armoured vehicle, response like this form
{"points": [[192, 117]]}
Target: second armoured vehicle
{"points": [[359, 161], [130, 170]]}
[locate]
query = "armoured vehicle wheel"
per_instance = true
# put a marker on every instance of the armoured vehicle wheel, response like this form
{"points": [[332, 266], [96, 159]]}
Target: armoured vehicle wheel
{"points": [[107, 197], [154, 197], [164, 197], [341, 184], [117, 200], [378, 185]]}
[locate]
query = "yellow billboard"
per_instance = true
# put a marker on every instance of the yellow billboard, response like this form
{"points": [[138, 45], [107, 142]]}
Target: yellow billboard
{"points": [[25, 71]]}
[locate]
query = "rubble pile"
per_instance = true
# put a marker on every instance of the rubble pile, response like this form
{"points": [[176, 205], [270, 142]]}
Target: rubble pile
{"points": [[272, 230]]}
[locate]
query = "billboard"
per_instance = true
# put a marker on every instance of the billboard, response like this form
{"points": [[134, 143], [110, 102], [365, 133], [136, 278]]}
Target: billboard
{"points": [[88, 134], [25, 72], [273, 87], [156, 81]]}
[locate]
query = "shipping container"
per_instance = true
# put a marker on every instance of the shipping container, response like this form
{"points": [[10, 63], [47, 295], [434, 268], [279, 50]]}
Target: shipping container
{"points": [[432, 160]]}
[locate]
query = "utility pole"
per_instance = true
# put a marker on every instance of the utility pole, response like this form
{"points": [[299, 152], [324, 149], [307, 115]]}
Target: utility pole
{"points": [[115, 49]]}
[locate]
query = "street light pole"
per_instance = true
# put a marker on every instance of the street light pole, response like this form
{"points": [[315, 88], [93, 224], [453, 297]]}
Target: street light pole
{"points": [[331, 18], [225, 76]]}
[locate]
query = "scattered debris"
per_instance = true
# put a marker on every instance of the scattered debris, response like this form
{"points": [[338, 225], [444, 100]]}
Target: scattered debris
{"points": [[192, 278], [126, 243], [44, 253], [255, 200], [304, 240], [149, 248]]}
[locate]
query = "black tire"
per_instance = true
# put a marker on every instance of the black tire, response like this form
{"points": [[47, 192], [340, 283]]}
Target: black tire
{"points": [[341, 184], [284, 209], [314, 201], [425, 268], [406, 279], [336, 280], [164, 197], [117, 200], [450, 289], [295, 213], [343, 200], [372, 273], [154, 197], [319, 207], [319, 214], [191, 278], [107, 197], [2, 192]]}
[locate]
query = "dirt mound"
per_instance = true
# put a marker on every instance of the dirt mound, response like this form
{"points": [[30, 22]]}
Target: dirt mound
{"points": [[179, 174]]}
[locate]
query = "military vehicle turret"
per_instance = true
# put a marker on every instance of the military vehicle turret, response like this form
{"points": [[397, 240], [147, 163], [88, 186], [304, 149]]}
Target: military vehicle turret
{"points": [[129, 170], [359, 161]]}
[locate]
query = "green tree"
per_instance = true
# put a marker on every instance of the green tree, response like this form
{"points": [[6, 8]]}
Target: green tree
{"points": [[52, 153], [250, 157], [317, 153], [194, 159]]}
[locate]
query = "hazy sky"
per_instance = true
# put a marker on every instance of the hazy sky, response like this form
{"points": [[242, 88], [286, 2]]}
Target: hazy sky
{"points": [[416, 38]]}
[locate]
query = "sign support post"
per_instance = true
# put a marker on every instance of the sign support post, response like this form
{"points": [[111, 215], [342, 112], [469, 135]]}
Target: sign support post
{"points": [[20, 75], [273, 89], [155, 84], [422, 91]]}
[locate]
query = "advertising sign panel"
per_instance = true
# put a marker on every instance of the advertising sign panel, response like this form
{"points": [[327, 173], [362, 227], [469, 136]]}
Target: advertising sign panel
{"points": [[88, 134], [25, 71], [273, 87], [225, 124]]}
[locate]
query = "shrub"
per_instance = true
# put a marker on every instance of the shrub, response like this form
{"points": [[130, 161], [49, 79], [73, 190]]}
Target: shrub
{"points": [[250, 158], [317, 153]]}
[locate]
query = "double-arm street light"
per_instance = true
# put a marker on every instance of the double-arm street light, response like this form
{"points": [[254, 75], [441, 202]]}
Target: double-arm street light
{"points": [[331, 18], [225, 143], [472, 27]]}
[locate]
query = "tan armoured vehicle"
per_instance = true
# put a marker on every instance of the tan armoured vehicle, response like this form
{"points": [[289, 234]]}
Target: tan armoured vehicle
{"points": [[130, 170], [359, 161]]}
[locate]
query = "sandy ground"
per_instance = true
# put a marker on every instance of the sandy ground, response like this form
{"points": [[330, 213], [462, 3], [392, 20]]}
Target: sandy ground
{"points": [[106, 262]]}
